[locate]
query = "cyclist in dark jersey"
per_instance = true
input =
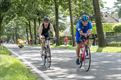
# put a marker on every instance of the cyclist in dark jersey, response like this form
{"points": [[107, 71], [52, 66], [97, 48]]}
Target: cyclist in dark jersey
{"points": [[45, 28]]}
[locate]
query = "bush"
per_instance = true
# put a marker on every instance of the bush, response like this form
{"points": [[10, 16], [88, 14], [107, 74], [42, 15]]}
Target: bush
{"points": [[117, 28], [107, 27], [4, 50], [114, 44]]}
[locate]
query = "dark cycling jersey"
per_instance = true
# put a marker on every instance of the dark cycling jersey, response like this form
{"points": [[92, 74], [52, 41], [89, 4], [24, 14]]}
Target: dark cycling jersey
{"points": [[45, 31]]}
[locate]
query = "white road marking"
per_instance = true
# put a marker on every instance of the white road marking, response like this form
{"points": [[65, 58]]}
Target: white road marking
{"points": [[39, 72]]}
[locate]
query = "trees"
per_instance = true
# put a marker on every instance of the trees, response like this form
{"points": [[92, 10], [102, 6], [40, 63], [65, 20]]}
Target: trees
{"points": [[34, 10], [118, 7], [99, 28], [56, 20], [4, 7], [27, 9], [71, 21]]}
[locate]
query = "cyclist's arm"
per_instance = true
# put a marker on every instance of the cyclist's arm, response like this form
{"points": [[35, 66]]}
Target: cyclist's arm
{"points": [[78, 28], [40, 30], [52, 30], [89, 32], [81, 32]]}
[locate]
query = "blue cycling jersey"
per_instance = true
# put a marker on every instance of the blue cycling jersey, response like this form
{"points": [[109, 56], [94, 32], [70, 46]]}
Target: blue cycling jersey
{"points": [[80, 27]]}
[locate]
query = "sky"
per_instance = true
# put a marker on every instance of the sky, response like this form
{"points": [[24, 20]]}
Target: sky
{"points": [[109, 3]]}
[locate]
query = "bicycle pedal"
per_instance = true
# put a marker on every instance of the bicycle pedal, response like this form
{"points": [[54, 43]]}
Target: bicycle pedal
{"points": [[45, 56], [48, 56]]}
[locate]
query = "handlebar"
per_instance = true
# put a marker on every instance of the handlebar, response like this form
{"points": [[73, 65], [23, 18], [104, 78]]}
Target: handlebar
{"points": [[48, 38], [83, 37]]}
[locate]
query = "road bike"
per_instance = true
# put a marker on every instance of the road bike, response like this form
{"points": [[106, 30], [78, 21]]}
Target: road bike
{"points": [[46, 53], [85, 56]]}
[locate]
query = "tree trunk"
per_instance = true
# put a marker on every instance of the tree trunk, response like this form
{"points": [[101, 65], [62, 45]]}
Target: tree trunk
{"points": [[16, 35], [56, 20], [30, 32], [35, 30], [0, 31], [13, 36], [27, 35], [71, 21], [39, 25], [39, 21], [100, 33], [1, 28]]}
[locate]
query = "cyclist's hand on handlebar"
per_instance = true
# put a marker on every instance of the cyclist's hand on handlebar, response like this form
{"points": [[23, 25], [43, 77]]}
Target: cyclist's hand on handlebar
{"points": [[84, 35], [42, 37], [54, 38]]}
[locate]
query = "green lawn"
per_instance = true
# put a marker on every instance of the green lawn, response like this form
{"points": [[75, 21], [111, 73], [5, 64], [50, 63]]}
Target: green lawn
{"points": [[4, 50], [106, 49], [93, 48], [12, 69]]}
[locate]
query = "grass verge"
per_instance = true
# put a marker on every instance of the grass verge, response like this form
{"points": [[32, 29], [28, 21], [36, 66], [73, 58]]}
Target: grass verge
{"points": [[107, 49], [12, 69], [63, 47], [4, 50]]}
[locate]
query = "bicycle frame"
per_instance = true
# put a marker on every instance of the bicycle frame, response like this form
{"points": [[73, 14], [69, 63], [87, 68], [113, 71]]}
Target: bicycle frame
{"points": [[47, 53], [47, 43], [85, 55], [84, 50]]}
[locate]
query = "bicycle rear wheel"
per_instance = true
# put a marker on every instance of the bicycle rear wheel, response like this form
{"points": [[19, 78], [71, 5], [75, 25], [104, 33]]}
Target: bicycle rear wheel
{"points": [[80, 61], [87, 59], [47, 59], [43, 56]]}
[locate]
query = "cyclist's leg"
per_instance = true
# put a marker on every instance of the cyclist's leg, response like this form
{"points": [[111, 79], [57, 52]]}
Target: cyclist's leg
{"points": [[79, 44], [78, 52], [77, 47], [47, 36], [42, 43]]}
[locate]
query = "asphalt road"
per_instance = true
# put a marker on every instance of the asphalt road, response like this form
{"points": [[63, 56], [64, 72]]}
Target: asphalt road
{"points": [[104, 66]]}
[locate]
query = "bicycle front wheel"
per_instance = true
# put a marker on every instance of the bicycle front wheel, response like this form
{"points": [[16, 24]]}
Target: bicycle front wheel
{"points": [[47, 59], [87, 59], [43, 57]]}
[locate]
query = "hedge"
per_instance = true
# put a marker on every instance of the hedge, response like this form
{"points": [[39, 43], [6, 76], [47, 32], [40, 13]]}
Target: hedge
{"points": [[117, 28], [107, 27]]}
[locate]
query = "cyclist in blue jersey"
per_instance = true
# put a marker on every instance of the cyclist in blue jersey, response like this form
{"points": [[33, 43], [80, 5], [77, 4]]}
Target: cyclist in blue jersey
{"points": [[83, 28]]}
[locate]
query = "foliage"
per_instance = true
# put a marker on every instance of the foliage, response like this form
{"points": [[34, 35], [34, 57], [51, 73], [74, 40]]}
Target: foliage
{"points": [[107, 27], [19, 13], [118, 7], [117, 28], [4, 7]]}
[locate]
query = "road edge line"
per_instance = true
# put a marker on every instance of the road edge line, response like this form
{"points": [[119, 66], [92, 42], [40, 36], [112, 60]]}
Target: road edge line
{"points": [[39, 72]]}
